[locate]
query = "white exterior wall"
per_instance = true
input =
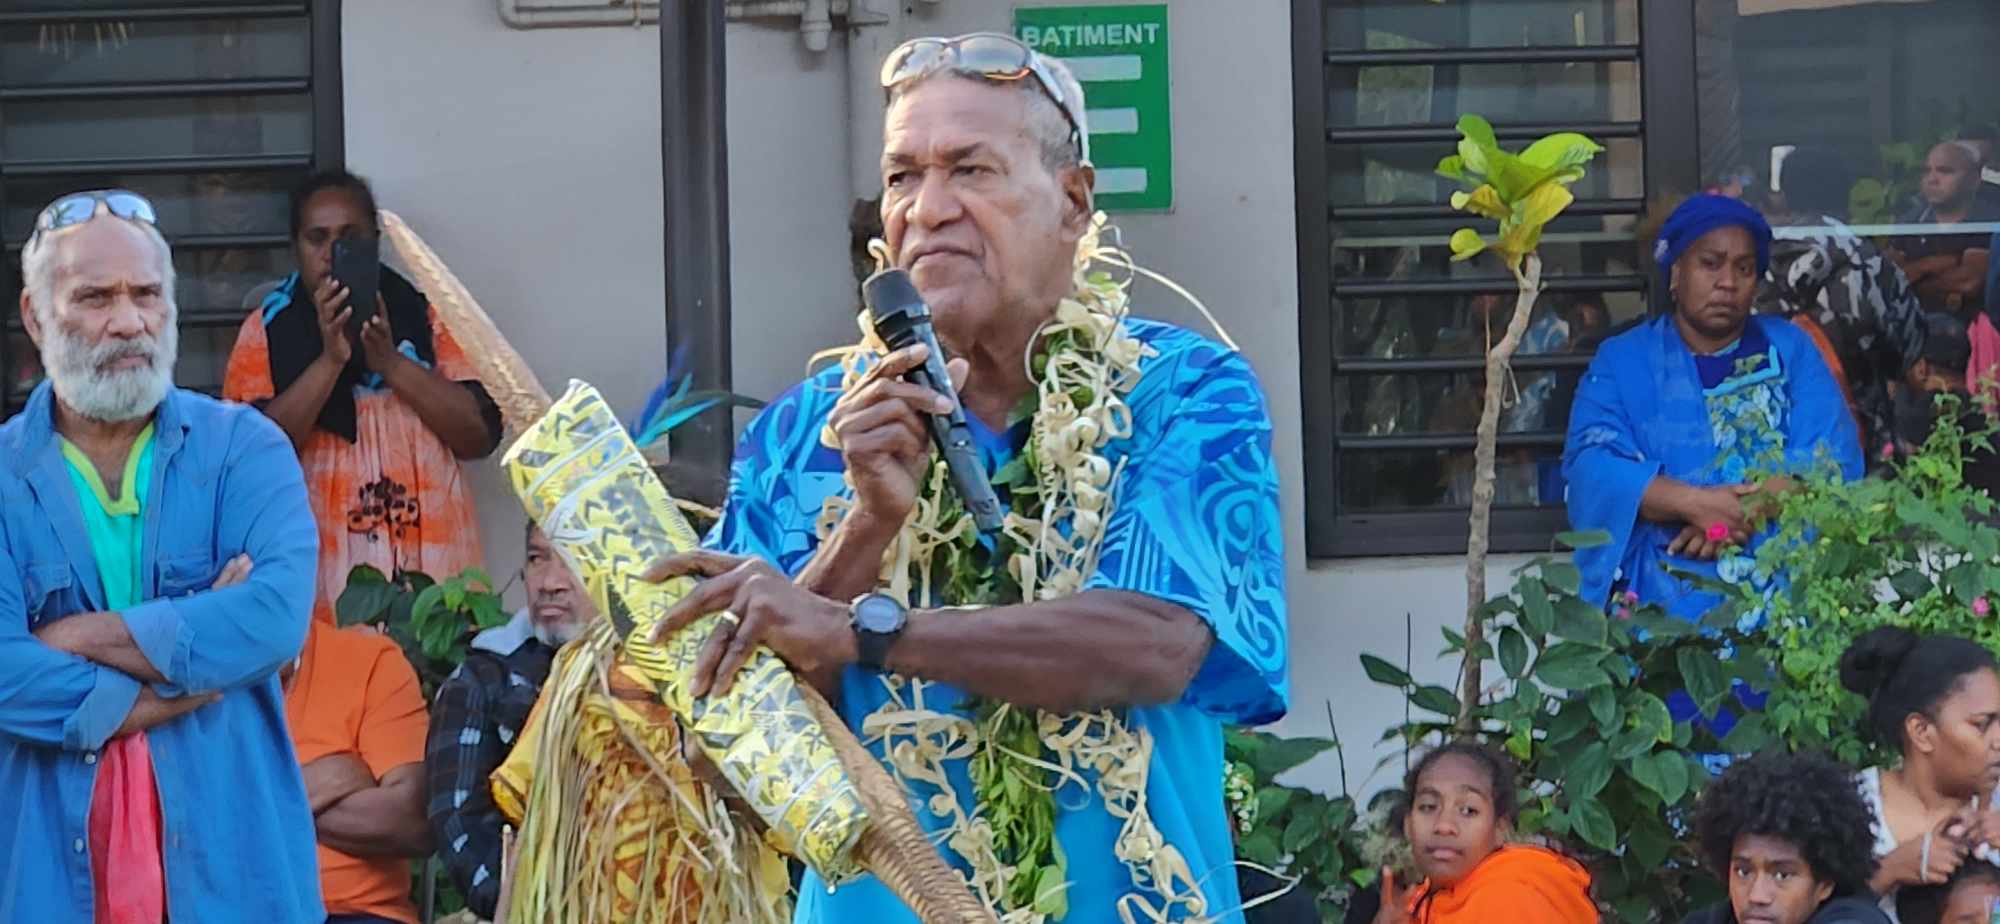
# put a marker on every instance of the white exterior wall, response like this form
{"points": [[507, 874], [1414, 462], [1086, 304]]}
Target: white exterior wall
{"points": [[530, 160]]}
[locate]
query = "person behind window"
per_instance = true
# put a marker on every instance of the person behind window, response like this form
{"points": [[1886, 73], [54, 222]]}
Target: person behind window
{"points": [[1843, 292], [1968, 897], [1684, 425], [381, 418], [1789, 835], [1589, 322], [1948, 267], [1459, 819], [1936, 701], [1984, 137], [356, 715]]}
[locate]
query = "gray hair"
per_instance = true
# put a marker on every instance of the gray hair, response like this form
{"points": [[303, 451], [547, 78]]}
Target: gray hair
{"points": [[38, 266], [1046, 123]]}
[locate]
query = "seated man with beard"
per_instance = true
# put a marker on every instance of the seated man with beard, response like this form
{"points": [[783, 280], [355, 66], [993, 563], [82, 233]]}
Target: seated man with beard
{"points": [[156, 571], [481, 710]]}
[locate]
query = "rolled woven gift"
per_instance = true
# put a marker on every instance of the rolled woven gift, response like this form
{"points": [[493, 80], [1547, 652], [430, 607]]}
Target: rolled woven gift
{"points": [[776, 741]]}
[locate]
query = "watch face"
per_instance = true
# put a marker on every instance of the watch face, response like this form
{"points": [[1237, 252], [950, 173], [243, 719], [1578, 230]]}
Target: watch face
{"points": [[879, 614]]}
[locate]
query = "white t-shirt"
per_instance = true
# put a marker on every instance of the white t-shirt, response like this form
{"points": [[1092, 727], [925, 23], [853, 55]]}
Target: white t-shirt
{"points": [[1870, 783]]}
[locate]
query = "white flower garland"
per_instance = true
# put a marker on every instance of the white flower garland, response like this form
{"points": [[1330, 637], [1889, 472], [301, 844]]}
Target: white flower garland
{"points": [[1089, 352]]}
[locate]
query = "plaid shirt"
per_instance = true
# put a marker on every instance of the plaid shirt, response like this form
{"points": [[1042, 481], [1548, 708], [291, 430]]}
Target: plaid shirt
{"points": [[480, 709]]}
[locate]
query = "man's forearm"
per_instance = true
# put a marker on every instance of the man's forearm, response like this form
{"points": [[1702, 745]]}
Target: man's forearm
{"points": [[444, 406], [382, 821], [849, 563], [101, 638], [1096, 650]]}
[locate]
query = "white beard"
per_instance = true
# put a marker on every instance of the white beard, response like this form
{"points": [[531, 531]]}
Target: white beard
{"points": [[556, 636], [74, 368]]}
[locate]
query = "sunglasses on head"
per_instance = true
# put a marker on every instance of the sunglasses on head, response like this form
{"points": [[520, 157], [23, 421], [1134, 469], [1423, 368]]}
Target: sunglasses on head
{"points": [[989, 55], [77, 208]]}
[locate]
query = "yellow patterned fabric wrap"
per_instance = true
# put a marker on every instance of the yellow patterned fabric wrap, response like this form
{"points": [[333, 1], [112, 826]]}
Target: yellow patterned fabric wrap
{"points": [[615, 826], [583, 479]]}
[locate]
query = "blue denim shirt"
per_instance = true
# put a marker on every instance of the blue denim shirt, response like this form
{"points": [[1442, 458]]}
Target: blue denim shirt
{"points": [[237, 835]]}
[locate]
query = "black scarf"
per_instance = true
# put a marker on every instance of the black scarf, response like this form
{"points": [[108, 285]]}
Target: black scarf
{"points": [[292, 331]]}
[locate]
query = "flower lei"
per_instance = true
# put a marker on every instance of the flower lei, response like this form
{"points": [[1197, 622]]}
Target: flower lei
{"points": [[1060, 496]]}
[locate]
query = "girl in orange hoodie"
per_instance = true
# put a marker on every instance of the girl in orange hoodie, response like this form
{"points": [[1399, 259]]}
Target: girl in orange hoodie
{"points": [[1460, 810]]}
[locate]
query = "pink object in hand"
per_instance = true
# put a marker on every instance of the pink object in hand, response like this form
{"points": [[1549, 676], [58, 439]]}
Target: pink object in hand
{"points": [[1718, 532], [124, 826]]}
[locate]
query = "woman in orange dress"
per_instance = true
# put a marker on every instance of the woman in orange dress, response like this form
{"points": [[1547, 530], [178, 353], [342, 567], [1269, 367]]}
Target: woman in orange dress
{"points": [[1460, 806], [381, 417]]}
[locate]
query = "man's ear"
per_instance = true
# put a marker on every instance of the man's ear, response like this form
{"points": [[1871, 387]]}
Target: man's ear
{"points": [[1078, 184], [28, 320]]}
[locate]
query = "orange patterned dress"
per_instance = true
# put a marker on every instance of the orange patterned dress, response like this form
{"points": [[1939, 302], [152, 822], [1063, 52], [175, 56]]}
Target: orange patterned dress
{"points": [[396, 498]]}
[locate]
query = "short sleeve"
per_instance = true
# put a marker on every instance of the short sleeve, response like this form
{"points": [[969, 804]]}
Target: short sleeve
{"points": [[779, 481], [1196, 522], [393, 718], [248, 378], [452, 362]]}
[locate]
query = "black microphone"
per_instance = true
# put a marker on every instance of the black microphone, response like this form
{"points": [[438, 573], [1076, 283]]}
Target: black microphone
{"points": [[902, 319]]}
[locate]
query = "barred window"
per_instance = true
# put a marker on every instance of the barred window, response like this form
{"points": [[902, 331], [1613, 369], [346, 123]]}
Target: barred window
{"points": [[213, 111], [1393, 333]]}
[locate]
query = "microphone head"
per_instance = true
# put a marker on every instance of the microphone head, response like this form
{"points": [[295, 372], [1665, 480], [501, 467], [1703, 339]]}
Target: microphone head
{"points": [[894, 306]]}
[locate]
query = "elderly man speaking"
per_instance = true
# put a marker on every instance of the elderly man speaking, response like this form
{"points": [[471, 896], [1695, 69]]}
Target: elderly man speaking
{"points": [[1053, 695], [156, 569]]}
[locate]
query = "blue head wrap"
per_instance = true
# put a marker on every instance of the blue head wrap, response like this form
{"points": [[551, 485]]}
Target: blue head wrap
{"points": [[1700, 215]]}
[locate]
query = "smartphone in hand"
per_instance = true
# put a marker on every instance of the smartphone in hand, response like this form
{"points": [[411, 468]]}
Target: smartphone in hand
{"points": [[357, 264]]}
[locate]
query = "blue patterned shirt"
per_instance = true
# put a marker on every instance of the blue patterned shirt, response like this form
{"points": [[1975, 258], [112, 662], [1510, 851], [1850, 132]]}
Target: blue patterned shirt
{"points": [[1195, 523]]}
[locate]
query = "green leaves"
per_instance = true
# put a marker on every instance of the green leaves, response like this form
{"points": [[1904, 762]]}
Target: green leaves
{"points": [[1513, 652], [1580, 622], [1297, 831], [1436, 699], [1588, 772], [1703, 677], [1383, 672], [431, 621], [1663, 772], [1536, 612], [1282, 754], [1561, 150], [1592, 822], [1603, 704], [1523, 192], [1585, 539], [1571, 666]]}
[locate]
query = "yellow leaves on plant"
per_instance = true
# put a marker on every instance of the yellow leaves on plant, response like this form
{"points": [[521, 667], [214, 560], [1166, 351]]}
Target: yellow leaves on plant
{"points": [[1466, 244], [1484, 201], [1522, 192], [1543, 204], [1561, 150], [1520, 234]]}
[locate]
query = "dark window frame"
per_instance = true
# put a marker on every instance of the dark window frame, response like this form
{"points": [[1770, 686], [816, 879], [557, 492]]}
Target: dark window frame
{"points": [[329, 147], [1665, 54]]}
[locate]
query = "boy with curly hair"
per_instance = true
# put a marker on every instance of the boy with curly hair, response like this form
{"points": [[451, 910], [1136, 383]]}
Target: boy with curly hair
{"points": [[1791, 838]]}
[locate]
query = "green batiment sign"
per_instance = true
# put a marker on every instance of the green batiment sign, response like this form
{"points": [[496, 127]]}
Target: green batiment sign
{"points": [[1119, 53]]}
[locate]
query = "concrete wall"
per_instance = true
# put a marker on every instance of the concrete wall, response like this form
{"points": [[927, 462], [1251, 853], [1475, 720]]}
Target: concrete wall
{"points": [[531, 161]]}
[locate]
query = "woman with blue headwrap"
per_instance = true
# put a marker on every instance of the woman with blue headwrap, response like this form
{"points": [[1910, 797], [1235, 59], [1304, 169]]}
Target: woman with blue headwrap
{"points": [[1678, 418]]}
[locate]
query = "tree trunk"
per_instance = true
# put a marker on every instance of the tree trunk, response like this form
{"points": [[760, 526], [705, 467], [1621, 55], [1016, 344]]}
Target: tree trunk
{"points": [[1497, 359]]}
